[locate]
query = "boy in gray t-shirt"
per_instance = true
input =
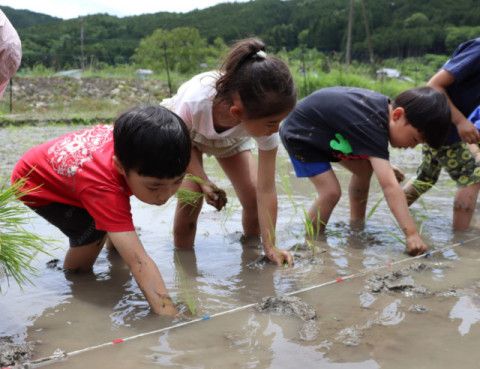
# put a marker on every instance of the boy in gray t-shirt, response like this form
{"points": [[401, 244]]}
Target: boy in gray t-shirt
{"points": [[354, 126]]}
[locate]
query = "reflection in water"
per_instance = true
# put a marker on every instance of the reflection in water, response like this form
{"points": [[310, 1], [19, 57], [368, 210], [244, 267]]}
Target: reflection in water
{"points": [[367, 299], [450, 254], [468, 310], [223, 273], [391, 314]]}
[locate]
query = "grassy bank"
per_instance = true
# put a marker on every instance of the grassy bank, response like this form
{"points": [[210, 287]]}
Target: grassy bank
{"points": [[96, 95]]}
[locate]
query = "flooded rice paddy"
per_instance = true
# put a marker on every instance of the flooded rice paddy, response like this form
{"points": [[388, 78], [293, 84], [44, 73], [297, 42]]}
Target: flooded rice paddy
{"points": [[375, 306]]}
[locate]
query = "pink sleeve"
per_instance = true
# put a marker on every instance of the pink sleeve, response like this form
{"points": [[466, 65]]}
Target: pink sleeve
{"points": [[10, 52]]}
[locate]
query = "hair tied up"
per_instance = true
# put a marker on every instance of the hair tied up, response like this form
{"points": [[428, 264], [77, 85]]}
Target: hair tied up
{"points": [[260, 55]]}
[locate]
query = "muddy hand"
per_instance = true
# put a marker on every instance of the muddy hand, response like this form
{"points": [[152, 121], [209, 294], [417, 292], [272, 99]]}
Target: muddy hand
{"points": [[398, 174], [221, 198], [168, 308], [468, 132], [279, 257], [215, 196], [416, 245]]}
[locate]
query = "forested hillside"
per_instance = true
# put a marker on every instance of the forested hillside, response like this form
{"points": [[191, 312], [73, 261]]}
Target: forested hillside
{"points": [[25, 18], [399, 28]]}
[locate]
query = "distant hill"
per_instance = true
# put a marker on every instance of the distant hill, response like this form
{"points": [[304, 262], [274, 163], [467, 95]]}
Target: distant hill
{"points": [[22, 18], [399, 28]]}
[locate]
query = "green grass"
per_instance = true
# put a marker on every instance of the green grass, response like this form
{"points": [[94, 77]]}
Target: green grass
{"points": [[68, 97]]}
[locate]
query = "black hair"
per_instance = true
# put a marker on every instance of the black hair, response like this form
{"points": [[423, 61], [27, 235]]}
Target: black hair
{"points": [[263, 82], [428, 110], [153, 141]]}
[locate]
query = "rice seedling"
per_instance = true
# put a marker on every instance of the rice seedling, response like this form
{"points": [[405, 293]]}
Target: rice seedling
{"points": [[297, 245], [421, 187], [422, 215], [272, 236], [372, 210], [188, 197], [228, 211], [274, 240], [181, 276], [312, 230], [397, 237], [18, 247], [286, 187], [192, 198]]}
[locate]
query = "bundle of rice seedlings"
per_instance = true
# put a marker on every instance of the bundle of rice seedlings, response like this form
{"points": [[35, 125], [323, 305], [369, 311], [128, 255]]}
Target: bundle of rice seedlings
{"points": [[18, 247]]}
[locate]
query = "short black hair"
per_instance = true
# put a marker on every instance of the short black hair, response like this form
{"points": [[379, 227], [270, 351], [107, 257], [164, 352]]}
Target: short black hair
{"points": [[153, 141], [428, 110]]}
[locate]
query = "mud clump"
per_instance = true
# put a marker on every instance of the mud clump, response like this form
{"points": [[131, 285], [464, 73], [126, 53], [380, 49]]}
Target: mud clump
{"points": [[287, 305], [399, 175], [419, 309], [221, 198], [399, 281], [291, 305], [13, 354]]}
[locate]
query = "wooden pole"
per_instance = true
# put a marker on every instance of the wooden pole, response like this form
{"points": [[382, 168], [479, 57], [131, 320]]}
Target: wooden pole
{"points": [[367, 30], [349, 38]]}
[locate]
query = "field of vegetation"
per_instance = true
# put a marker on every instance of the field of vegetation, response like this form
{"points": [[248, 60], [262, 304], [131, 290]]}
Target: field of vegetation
{"points": [[100, 93]]}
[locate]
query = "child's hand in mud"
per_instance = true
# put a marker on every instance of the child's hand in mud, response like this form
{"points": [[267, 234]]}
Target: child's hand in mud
{"points": [[416, 245], [398, 174], [279, 257], [168, 308], [214, 196]]}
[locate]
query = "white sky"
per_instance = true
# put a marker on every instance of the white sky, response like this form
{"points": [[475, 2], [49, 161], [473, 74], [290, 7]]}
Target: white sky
{"points": [[67, 9]]}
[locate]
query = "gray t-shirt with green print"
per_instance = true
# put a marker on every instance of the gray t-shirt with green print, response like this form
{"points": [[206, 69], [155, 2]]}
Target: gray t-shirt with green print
{"points": [[338, 123]]}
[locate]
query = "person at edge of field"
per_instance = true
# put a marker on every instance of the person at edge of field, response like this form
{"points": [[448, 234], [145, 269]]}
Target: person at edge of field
{"points": [[459, 80], [354, 126], [475, 119], [223, 110], [82, 181], [10, 52]]}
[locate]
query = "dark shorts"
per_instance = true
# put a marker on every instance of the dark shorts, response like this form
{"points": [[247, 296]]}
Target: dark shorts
{"points": [[456, 159], [76, 223]]}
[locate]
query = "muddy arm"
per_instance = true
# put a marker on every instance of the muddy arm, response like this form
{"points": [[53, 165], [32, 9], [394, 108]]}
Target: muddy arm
{"points": [[144, 271], [398, 205], [267, 204]]}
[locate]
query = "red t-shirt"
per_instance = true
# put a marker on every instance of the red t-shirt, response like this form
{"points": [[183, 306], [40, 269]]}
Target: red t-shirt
{"points": [[78, 169]]}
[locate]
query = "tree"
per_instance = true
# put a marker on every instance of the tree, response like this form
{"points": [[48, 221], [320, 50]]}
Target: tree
{"points": [[416, 20], [457, 35], [182, 48]]}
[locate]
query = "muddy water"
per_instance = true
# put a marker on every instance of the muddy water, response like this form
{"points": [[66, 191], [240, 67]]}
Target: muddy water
{"points": [[418, 312]]}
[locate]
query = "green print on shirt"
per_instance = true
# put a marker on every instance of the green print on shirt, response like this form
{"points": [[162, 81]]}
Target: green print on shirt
{"points": [[341, 145]]}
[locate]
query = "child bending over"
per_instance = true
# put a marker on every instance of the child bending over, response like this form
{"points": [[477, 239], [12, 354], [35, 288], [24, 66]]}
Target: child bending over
{"points": [[85, 180], [223, 110], [354, 126]]}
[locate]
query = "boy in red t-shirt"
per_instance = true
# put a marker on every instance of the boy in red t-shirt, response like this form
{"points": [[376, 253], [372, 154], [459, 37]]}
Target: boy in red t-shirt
{"points": [[85, 180]]}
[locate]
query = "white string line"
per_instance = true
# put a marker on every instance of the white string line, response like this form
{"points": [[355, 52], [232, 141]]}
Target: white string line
{"points": [[63, 355]]}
